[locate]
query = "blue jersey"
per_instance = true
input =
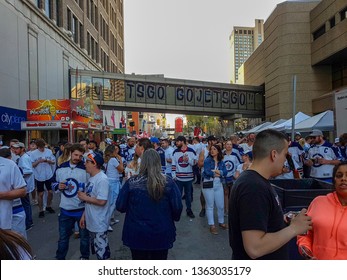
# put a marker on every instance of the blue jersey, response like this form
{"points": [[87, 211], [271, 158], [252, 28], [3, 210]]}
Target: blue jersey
{"points": [[238, 151], [231, 162], [161, 153], [128, 153]]}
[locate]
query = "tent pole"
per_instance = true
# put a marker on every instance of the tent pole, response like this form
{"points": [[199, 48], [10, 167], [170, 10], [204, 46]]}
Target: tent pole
{"points": [[294, 107]]}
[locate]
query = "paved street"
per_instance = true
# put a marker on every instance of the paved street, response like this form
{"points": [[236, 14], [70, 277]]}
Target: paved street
{"points": [[193, 241]]}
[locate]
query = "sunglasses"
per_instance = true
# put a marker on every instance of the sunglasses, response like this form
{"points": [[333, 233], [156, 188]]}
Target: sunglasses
{"points": [[90, 157]]}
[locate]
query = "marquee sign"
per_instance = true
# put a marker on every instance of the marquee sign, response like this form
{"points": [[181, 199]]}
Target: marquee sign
{"points": [[141, 91], [152, 93]]}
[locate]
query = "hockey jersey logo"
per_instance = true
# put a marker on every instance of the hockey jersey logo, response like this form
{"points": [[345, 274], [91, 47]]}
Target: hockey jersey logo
{"points": [[72, 187]]}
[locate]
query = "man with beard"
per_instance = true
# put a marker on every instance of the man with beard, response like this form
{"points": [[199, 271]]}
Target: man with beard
{"points": [[183, 160], [322, 157], [71, 177], [128, 152]]}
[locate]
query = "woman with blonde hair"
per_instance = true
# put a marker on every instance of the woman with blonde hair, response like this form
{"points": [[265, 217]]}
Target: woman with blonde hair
{"points": [[152, 203], [65, 156]]}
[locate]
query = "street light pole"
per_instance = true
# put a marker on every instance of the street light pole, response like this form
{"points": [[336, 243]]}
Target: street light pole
{"points": [[294, 106]]}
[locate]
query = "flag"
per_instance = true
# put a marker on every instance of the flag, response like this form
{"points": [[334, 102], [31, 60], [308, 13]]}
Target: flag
{"points": [[112, 119]]}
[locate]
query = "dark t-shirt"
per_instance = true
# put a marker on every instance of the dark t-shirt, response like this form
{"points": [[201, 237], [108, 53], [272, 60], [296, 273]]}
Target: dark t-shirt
{"points": [[254, 205]]}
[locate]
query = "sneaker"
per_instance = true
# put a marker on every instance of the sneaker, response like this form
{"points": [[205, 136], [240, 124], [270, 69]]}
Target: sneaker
{"points": [[202, 213], [41, 214], [190, 214], [113, 222], [50, 210], [29, 227], [110, 229], [34, 202]]}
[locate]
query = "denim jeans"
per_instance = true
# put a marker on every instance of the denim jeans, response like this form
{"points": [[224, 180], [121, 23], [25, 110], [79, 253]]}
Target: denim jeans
{"points": [[27, 208], [188, 188], [113, 194], [66, 226]]}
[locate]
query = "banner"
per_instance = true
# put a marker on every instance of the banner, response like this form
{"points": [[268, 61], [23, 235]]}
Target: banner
{"points": [[48, 110], [84, 110], [179, 124]]}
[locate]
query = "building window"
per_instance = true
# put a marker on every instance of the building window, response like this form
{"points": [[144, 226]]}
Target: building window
{"points": [[319, 32], [48, 10], [339, 74], [58, 14], [332, 22], [343, 14]]}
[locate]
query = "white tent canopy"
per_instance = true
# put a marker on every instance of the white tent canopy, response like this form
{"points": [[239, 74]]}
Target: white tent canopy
{"points": [[287, 125], [271, 125], [323, 121], [254, 129]]}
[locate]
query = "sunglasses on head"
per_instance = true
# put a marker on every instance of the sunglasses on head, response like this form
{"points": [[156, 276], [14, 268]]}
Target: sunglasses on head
{"points": [[90, 157]]}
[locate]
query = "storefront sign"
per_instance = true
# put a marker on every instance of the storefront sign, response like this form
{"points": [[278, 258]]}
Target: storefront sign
{"points": [[41, 125], [10, 119], [84, 110], [49, 110], [119, 131]]}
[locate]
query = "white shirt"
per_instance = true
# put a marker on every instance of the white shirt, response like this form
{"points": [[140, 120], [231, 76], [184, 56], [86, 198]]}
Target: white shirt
{"points": [[10, 179], [25, 164], [111, 169], [43, 171], [97, 218]]}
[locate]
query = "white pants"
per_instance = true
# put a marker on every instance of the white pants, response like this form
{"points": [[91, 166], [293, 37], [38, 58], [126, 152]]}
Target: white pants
{"points": [[214, 195]]}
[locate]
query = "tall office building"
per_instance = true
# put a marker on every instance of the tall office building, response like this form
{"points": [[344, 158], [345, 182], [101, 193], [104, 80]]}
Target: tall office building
{"points": [[41, 40], [308, 40], [243, 42]]}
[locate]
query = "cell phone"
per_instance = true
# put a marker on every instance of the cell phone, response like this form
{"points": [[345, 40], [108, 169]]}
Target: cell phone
{"points": [[306, 253]]}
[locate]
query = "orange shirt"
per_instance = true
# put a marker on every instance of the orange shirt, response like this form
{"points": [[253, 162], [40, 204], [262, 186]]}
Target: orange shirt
{"points": [[328, 238]]}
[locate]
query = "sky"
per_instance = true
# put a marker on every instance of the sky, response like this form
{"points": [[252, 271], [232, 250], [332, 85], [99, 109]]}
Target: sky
{"points": [[186, 39]]}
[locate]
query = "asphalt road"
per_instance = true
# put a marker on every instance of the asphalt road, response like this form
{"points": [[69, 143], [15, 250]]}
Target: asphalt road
{"points": [[193, 241]]}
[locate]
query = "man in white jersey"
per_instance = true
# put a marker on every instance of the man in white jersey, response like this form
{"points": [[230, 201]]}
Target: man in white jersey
{"points": [[43, 162], [322, 157], [12, 186], [71, 177], [183, 160]]}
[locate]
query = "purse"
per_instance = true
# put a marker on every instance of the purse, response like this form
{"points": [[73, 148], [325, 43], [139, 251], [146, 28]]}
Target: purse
{"points": [[207, 185]]}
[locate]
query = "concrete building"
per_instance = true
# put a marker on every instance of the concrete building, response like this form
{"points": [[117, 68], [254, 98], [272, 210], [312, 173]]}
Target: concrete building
{"points": [[243, 41], [307, 39], [42, 39]]}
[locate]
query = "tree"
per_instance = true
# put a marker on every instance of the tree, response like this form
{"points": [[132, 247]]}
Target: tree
{"points": [[212, 124]]}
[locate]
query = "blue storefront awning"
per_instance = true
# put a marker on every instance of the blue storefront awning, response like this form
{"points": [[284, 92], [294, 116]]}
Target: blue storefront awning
{"points": [[10, 119]]}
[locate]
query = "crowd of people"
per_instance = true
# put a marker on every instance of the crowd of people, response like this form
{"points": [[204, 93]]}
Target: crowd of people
{"points": [[148, 178]]}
